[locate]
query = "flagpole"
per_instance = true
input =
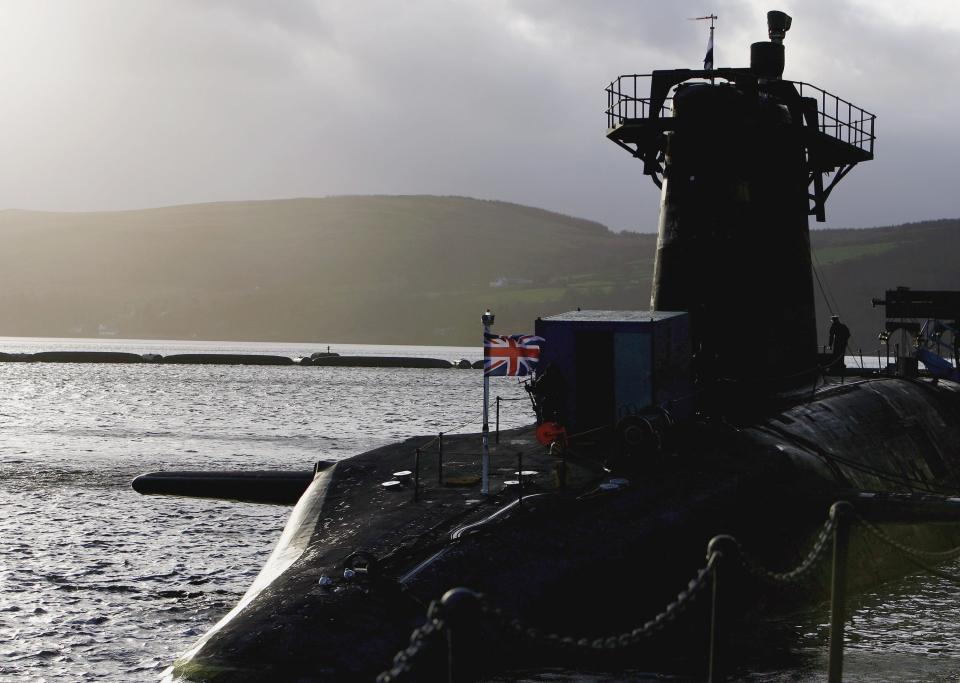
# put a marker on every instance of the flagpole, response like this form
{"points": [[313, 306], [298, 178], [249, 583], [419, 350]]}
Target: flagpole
{"points": [[711, 50], [713, 18], [487, 319], [708, 58]]}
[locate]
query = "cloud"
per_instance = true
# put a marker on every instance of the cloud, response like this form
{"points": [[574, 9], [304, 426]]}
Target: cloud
{"points": [[112, 104]]}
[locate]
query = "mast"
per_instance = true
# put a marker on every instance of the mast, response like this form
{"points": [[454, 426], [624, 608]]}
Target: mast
{"points": [[708, 57]]}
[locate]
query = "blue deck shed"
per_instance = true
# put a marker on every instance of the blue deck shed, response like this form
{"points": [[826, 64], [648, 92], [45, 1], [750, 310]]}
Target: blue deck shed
{"points": [[617, 363]]}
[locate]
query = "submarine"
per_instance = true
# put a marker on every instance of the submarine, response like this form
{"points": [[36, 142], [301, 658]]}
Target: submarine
{"points": [[709, 414]]}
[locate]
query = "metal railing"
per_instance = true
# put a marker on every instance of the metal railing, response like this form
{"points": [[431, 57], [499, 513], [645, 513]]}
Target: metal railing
{"points": [[624, 100], [836, 117], [839, 118]]}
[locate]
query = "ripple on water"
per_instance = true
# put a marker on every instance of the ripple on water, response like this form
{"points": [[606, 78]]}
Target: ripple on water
{"points": [[99, 583]]}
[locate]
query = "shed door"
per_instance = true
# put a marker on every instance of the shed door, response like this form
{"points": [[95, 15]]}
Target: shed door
{"points": [[595, 383]]}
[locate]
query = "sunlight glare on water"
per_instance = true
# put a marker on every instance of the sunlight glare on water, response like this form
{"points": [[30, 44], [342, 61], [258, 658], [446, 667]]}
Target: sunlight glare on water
{"points": [[98, 583]]}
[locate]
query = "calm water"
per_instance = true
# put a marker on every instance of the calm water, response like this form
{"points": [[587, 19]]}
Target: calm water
{"points": [[99, 583]]}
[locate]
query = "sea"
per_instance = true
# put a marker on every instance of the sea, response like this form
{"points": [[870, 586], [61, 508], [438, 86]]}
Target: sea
{"points": [[99, 583]]}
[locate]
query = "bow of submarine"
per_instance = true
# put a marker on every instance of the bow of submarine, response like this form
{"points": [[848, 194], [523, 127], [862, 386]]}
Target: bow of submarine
{"points": [[583, 560]]}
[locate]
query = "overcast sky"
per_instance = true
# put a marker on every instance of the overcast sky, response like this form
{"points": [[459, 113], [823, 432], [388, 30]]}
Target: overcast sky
{"points": [[110, 104]]}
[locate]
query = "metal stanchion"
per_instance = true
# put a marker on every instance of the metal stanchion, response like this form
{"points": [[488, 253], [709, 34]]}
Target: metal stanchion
{"points": [[462, 615], [440, 458], [715, 552], [714, 604], [416, 476], [840, 513], [520, 477], [497, 437], [487, 319]]}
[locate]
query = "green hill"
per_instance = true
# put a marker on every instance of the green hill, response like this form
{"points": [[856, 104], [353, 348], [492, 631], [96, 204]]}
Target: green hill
{"points": [[409, 269], [857, 265]]}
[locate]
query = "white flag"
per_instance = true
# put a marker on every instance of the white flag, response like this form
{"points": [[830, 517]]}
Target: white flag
{"points": [[708, 58]]}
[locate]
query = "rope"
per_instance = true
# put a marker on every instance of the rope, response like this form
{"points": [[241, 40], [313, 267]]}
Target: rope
{"points": [[903, 480], [530, 450], [826, 455], [816, 273], [816, 370], [537, 447], [769, 380], [823, 292], [829, 307], [435, 439], [451, 430]]}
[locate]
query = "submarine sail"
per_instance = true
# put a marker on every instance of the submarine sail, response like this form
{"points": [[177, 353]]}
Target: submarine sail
{"points": [[740, 156]]}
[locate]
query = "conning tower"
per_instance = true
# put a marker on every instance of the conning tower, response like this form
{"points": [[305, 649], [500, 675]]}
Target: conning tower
{"points": [[742, 158]]}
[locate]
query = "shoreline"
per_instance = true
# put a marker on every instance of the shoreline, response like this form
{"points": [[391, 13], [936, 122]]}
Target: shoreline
{"points": [[322, 359]]}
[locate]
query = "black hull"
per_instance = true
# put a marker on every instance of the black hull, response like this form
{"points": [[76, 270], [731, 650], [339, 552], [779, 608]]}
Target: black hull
{"points": [[580, 560]]}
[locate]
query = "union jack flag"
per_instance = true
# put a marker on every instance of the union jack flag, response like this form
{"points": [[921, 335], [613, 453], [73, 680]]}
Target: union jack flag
{"points": [[510, 356]]}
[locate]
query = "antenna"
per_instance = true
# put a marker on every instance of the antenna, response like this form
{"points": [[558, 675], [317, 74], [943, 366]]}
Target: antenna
{"points": [[711, 17], [708, 58]]}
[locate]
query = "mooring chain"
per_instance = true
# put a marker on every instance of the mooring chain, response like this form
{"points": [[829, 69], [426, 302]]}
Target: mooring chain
{"points": [[802, 570], [913, 554], [935, 555], [437, 624], [404, 660], [627, 639]]}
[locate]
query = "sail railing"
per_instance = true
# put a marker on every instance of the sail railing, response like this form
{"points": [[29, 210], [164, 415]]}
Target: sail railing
{"points": [[836, 117], [624, 100], [840, 118]]}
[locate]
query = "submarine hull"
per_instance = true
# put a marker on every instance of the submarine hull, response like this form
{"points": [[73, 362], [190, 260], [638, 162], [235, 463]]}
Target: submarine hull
{"points": [[584, 560]]}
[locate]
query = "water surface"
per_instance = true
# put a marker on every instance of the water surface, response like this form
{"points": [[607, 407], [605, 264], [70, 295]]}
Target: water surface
{"points": [[98, 583]]}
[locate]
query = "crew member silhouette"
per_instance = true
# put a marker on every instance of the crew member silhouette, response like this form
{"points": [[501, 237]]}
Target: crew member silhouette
{"points": [[839, 336]]}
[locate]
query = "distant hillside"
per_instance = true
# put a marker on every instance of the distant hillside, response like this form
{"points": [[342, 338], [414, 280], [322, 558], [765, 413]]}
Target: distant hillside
{"points": [[416, 269], [857, 265]]}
